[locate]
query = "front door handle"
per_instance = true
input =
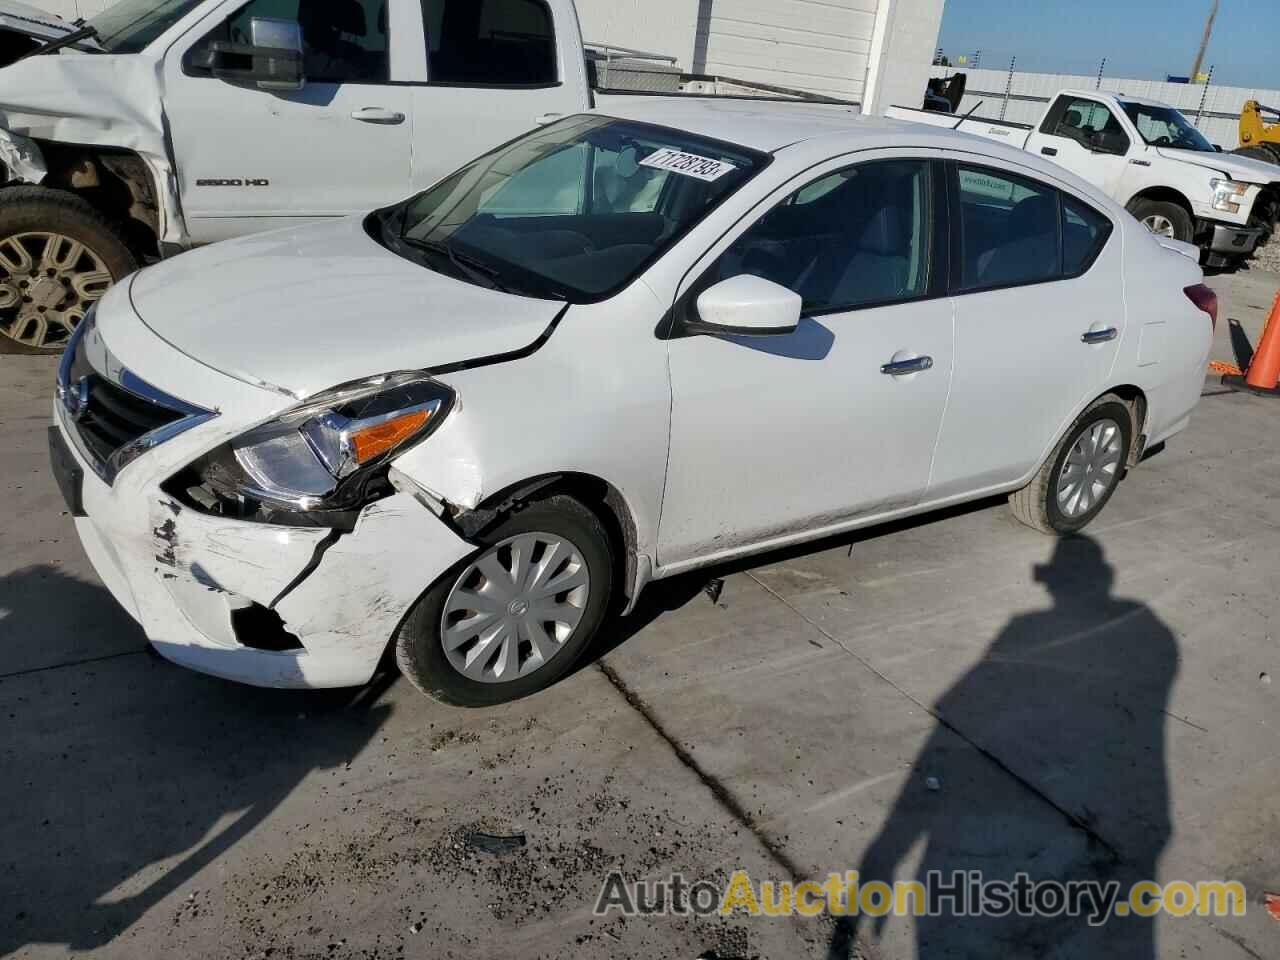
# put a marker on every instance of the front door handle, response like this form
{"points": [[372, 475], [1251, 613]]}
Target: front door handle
{"points": [[377, 115], [1099, 336], [900, 368], [1049, 151]]}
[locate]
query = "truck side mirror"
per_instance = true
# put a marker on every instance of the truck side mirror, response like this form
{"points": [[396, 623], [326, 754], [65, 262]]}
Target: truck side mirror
{"points": [[272, 60]]}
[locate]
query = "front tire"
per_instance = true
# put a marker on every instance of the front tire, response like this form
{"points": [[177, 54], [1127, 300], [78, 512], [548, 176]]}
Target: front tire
{"points": [[58, 256], [1079, 477], [516, 616], [1164, 219]]}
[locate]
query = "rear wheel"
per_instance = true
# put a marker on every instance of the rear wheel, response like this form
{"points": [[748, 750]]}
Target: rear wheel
{"points": [[1081, 474], [1164, 219], [58, 256], [517, 616]]}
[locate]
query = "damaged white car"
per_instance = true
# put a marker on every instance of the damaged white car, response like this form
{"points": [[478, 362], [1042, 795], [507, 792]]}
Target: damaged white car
{"points": [[470, 425]]}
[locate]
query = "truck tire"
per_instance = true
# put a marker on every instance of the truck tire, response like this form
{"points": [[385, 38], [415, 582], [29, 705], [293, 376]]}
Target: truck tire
{"points": [[58, 256], [1164, 219], [1265, 152]]}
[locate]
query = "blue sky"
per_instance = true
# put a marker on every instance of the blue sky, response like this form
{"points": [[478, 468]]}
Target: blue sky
{"points": [[1139, 38]]}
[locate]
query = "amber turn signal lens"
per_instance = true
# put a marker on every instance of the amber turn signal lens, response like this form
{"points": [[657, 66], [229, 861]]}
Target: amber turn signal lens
{"points": [[371, 442]]}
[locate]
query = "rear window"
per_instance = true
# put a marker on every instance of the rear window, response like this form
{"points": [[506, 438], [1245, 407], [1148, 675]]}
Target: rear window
{"points": [[481, 43]]}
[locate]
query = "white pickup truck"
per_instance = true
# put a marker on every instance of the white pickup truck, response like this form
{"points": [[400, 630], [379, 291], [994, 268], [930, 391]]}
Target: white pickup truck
{"points": [[1148, 157], [160, 125]]}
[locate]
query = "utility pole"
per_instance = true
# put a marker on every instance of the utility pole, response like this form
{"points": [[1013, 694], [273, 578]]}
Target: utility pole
{"points": [[1204, 41]]}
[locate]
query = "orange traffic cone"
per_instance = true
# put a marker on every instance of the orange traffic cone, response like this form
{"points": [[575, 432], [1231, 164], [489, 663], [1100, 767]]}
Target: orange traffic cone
{"points": [[1263, 375]]}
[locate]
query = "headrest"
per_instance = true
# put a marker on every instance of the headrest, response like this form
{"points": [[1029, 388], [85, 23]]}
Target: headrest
{"points": [[1074, 118], [334, 16], [885, 233], [1034, 215]]}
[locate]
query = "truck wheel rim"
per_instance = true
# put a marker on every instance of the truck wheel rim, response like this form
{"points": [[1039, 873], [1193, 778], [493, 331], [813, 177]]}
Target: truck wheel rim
{"points": [[515, 607], [1091, 468], [1159, 225], [48, 282]]}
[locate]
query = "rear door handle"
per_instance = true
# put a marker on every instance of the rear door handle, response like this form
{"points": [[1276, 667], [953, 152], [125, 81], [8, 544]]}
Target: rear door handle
{"points": [[1100, 336], [377, 115], [1049, 151], [900, 368]]}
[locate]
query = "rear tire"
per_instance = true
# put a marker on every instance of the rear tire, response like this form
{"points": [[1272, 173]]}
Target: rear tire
{"points": [[1046, 503], [58, 256], [523, 618], [1164, 219]]}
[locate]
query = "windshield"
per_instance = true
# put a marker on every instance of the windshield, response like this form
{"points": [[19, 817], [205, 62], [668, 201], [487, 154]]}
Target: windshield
{"points": [[573, 211], [130, 25], [1166, 127]]}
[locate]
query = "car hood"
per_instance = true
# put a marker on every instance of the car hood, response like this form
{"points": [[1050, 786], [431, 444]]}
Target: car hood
{"points": [[1241, 169], [309, 308]]}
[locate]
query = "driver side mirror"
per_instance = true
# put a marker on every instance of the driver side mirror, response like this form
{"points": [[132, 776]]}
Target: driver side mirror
{"points": [[272, 60], [747, 306], [1112, 143]]}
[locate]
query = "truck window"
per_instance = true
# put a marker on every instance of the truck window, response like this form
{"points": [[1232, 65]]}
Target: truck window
{"points": [[1009, 230], [501, 43], [1090, 123], [344, 41], [131, 25]]}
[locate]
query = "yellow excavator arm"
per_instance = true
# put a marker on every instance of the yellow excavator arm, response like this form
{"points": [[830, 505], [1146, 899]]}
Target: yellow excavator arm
{"points": [[1257, 137]]}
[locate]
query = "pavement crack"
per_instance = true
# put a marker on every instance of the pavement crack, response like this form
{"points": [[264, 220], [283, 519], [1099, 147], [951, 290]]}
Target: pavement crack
{"points": [[70, 663], [1074, 820], [722, 794]]}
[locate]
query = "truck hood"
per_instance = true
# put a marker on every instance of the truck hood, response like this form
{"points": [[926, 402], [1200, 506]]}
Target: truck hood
{"points": [[308, 308], [1241, 169]]}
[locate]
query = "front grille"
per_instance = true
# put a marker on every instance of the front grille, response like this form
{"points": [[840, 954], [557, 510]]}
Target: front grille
{"points": [[115, 418], [113, 415]]}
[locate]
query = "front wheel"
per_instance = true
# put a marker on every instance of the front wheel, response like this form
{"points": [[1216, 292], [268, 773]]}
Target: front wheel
{"points": [[1081, 474], [1164, 219], [517, 616], [58, 256]]}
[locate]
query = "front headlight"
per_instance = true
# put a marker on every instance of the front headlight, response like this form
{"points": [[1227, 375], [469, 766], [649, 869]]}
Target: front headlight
{"points": [[1228, 195], [322, 455]]}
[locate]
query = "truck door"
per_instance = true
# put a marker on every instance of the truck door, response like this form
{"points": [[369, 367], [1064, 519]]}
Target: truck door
{"points": [[1085, 136], [250, 159], [494, 69]]}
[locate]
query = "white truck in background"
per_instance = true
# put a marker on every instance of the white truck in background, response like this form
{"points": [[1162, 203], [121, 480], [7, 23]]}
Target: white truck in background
{"points": [[160, 125], [1148, 157]]}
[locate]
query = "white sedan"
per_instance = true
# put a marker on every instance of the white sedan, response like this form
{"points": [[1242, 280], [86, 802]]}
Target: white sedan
{"points": [[473, 425]]}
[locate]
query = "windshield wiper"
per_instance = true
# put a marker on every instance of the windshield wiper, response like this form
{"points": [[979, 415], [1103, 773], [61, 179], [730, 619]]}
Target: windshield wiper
{"points": [[479, 272], [68, 40]]}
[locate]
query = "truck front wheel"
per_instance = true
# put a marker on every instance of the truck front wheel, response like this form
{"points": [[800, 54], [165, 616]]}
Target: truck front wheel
{"points": [[1164, 219], [58, 256]]}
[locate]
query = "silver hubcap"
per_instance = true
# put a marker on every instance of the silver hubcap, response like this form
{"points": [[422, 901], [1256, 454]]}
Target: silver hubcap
{"points": [[48, 282], [1091, 468], [1160, 226], [515, 607]]}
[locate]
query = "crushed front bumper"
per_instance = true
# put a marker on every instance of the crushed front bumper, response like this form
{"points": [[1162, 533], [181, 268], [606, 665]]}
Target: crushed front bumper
{"points": [[183, 575], [1233, 240]]}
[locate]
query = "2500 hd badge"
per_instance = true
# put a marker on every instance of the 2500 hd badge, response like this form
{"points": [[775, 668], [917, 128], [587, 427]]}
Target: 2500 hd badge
{"points": [[246, 182]]}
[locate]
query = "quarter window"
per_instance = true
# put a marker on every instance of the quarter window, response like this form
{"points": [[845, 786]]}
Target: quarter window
{"points": [[1084, 231], [490, 42], [852, 238]]}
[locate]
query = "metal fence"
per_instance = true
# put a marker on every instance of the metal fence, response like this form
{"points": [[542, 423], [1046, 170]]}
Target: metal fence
{"points": [[1022, 97]]}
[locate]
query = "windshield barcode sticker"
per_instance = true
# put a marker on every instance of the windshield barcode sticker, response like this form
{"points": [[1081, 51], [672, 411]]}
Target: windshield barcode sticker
{"points": [[687, 164]]}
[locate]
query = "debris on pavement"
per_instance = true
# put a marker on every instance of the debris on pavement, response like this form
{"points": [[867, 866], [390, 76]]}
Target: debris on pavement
{"points": [[497, 845], [713, 589]]}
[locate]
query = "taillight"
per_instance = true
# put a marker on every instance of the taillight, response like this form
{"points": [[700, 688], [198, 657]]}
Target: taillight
{"points": [[1206, 300]]}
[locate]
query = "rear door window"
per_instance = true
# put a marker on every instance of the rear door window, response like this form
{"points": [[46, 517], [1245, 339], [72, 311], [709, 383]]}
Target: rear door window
{"points": [[1009, 232], [479, 43]]}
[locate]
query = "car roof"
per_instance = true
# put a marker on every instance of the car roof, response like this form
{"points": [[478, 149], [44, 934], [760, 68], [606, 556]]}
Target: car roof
{"points": [[765, 125]]}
